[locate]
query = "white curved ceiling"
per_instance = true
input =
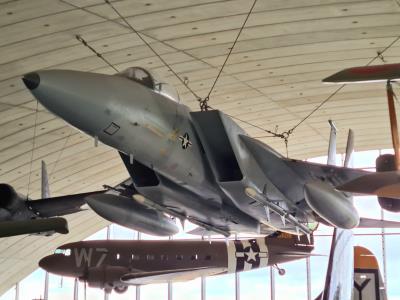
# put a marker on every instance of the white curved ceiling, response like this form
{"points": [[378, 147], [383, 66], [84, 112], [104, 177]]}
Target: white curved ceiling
{"points": [[271, 79]]}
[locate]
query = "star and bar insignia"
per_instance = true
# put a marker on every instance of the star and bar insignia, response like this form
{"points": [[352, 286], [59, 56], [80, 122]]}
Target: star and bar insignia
{"points": [[185, 140]]}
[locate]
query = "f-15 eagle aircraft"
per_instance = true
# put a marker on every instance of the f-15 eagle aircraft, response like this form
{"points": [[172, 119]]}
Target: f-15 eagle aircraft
{"points": [[199, 166]]}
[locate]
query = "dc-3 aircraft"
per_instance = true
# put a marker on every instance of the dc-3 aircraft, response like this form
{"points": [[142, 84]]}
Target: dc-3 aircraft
{"points": [[116, 264], [199, 166]]}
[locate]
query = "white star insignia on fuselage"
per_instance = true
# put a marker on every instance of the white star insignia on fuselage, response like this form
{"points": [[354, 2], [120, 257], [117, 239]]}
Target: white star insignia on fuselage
{"points": [[185, 141], [251, 255]]}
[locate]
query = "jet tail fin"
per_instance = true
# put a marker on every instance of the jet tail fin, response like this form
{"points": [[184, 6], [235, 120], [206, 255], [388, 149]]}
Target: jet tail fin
{"points": [[45, 181], [332, 145], [349, 148], [353, 271], [339, 275], [368, 283]]}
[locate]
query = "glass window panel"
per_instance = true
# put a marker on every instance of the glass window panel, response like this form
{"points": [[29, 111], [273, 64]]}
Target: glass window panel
{"points": [[154, 291], [187, 290], [121, 233], [255, 284], [32, 286], [364, 159], [294, 278], [220, 287]]}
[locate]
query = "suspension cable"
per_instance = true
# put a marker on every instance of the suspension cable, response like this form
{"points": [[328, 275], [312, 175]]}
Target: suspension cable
{"points": [[204, 102], [378, 55], [152, 49], [83, 41]]}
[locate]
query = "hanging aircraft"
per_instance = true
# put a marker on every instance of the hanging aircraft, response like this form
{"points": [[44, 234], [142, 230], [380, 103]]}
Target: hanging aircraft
{"points": [[116, 264], [21, 215], [200, 166]]}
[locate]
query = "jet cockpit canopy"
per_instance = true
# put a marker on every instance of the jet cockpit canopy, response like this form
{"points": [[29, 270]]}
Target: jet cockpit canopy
{"points": [[151, 81]]}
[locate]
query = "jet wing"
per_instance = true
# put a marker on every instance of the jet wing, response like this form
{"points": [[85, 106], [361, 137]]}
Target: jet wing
{"points": [[334, 174], [381, 184], [59, 206], [175, 275]]}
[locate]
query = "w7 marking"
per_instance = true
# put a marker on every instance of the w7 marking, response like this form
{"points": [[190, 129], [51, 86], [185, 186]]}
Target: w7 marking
{"points": [[84, 256]]}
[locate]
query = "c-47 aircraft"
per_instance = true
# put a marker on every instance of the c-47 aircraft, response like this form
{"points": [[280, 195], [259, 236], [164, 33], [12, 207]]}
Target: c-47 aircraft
{"points": [[199, 166], [116, 264]]}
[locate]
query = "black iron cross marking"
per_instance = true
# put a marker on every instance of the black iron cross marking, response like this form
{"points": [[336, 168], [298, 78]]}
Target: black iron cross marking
{"points": [[185, 140]]}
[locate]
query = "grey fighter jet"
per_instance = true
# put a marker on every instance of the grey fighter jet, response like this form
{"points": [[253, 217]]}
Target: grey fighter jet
{"points": [[199, 166], [114, 265]]}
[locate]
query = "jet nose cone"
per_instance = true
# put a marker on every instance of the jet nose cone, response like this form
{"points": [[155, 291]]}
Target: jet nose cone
{"points": [[31, 80]]}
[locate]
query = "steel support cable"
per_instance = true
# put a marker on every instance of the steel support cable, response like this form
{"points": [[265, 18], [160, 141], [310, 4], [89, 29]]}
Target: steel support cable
{"points": [[273, 134], [61, 152], [286, 134], [83, 41], [152, 49], [379, 55], [204, 102]]}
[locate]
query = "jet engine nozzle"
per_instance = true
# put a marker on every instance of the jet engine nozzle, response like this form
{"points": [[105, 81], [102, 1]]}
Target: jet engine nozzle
{"points": [[331, 205], [131, 214], [9, 198]]}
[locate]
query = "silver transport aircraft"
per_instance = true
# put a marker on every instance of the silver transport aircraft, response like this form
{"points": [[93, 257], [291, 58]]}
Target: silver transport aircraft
{"points": [[197, 166]]}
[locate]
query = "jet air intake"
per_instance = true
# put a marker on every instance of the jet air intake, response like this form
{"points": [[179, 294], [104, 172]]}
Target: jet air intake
{"points": [[128, 213], [331, 205]]}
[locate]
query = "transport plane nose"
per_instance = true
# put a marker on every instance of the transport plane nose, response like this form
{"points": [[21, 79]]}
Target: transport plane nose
{"points": [[59, 265], [31, 80], [47, 263]]}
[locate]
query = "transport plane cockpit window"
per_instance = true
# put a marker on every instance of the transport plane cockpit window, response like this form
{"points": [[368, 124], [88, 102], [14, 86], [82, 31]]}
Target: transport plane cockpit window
{"points": [[66, 252], [150, 80]]}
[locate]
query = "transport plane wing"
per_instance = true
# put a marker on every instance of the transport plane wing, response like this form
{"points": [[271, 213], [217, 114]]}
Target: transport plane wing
{"points": [[170, 275]]}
